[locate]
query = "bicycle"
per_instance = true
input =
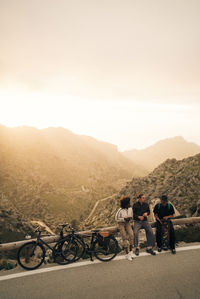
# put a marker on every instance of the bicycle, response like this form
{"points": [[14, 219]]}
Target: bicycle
{"points": [[103, 245], [32, 254], [75, 238]]}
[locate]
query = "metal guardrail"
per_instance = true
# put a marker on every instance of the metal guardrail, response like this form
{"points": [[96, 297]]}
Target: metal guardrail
{"points": [[112, 229]]}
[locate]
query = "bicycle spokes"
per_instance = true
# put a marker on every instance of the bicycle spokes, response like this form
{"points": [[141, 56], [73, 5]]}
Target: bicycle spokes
{"points": [[31, 256], [107, 249], [65, 252]]}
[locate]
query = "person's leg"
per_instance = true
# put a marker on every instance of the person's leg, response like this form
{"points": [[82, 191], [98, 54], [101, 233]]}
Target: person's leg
{"points": [[130, 234], [149, 236], [124, 236], [159, 234], [136, 228], [172, 239]]}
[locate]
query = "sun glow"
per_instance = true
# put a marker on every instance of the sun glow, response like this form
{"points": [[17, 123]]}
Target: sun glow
{"points": [[126, 123]]}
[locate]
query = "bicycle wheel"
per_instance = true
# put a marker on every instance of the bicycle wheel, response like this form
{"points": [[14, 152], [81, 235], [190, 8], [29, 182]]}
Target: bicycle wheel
{"points": [[106, 251], [31, 255], [65, 251], [81, 247]]}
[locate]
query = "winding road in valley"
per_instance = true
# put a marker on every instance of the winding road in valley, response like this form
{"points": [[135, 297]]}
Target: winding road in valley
{"points": [[96, 205]]}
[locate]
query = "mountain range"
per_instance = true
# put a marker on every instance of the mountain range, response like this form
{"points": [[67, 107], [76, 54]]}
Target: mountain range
{"points": [[150, 157], [53, 175]]}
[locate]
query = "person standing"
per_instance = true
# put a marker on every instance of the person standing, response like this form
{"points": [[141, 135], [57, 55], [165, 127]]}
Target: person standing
{"points": [[123, 217], [140, 212], [164, 211]]}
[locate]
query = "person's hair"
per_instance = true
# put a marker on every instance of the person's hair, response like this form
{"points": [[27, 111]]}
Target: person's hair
{"points": [[164, 198], [140, 195], [125, 202]]}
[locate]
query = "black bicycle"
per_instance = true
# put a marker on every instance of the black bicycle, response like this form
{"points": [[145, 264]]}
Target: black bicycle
{"points": [[32, 255], [102, 245], [73, 237]]}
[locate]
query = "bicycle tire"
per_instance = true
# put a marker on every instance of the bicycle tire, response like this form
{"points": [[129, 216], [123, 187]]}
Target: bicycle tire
{"points": [[65, 251], [104, 255], [23, 260], [81, 247]]}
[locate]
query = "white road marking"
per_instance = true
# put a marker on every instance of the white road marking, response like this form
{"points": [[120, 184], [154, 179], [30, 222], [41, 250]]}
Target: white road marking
{"points": [[81, 264]]}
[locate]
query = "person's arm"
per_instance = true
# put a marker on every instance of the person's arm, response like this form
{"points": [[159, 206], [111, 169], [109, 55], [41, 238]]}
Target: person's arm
{"points": [[172, 213], [135, 213], [168, 217], [130, 214], [157, 218], [147, 213], [155, 211], [118, 217]]}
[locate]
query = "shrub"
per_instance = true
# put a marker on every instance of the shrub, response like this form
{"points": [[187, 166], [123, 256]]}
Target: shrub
{"points": [[6, 264]]}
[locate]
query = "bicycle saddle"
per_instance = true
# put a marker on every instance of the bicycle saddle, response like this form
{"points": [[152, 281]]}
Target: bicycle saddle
{"points": [[38, 230], [96, 230], [64, 224]]}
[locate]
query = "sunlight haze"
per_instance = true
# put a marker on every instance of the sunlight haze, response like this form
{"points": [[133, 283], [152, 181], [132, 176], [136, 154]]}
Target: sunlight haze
{"points": [[123, 72]]}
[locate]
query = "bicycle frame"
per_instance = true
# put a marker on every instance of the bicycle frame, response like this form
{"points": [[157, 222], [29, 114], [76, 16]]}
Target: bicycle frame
{"points": [[89, 249], [42, 242]]}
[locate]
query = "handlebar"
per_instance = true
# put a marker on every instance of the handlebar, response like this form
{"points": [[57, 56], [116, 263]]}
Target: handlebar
{"points": [[63, 226], [66, 225]]}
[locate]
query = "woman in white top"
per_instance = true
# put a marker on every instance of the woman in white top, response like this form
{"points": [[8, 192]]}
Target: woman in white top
{"points": [[123, 217]]}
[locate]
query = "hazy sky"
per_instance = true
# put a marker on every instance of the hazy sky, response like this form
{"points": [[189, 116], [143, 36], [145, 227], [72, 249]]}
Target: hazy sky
{"points": [[127, 72]]}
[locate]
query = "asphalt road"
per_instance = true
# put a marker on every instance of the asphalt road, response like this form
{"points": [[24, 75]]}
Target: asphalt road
{"points": [[161, 276]]}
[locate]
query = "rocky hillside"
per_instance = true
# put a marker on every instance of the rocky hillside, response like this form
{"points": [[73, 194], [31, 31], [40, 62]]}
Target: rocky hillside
{"points": [[53, 175], [13, 225], [180, 180], [156, 154]]}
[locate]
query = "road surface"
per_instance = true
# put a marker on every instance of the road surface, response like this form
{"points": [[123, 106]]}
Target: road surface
{"points": [[161, 276]]}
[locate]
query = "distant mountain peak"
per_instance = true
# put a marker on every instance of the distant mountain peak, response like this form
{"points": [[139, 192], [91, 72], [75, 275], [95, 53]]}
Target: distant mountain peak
{"points": [[176, 147]]}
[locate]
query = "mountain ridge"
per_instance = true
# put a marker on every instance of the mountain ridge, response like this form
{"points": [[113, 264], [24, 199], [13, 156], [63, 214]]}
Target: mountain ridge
{"points": [[176, 147]]}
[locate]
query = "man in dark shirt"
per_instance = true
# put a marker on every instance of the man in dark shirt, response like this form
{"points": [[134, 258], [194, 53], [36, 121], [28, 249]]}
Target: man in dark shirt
{"points": [[140, 212], [164, 211]]}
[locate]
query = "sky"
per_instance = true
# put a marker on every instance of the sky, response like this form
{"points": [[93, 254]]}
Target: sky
{"points": [[126, 72]]}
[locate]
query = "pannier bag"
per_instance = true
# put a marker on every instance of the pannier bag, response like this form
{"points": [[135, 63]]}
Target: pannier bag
{"points": [[103, 239]]}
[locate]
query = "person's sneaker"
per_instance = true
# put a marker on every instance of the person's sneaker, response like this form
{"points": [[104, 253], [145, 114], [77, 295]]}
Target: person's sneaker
{"points": [[131, 254], [150, 251], [173, 251], [128, 257], [159, 249], [137, 251]]}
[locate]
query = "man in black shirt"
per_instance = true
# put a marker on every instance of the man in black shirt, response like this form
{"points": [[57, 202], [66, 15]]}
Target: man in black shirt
{"points": [[140, 212], [164, 211]]}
